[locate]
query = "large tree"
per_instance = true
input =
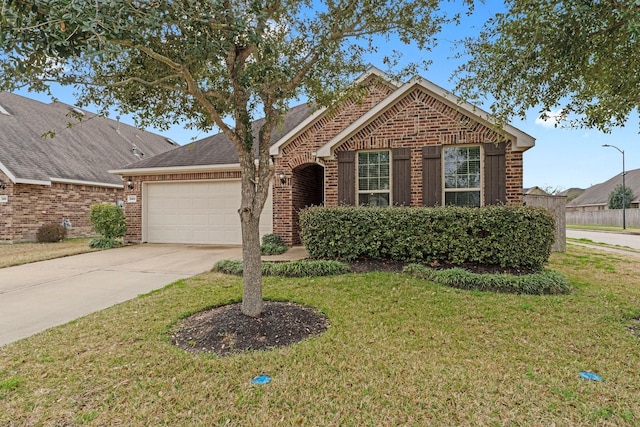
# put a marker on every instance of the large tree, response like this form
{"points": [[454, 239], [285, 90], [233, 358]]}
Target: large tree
{"points": [[580, 58], [208, 63]]}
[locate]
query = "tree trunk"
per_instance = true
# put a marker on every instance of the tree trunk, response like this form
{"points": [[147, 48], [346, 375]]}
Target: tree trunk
{"points": [[254, 194], [252, 303]]}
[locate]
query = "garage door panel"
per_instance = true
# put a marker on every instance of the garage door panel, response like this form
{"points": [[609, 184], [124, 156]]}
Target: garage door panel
{"points": [[197, 212]]}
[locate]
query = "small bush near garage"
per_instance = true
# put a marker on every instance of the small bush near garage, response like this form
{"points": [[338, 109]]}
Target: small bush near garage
{"points": [[287, 269], [542, 283], [108, 220], [50, 233], [509, 237], [272, 244]]}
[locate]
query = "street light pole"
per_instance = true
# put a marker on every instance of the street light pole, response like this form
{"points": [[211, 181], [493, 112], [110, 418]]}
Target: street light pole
{"points": [[624, 188]]}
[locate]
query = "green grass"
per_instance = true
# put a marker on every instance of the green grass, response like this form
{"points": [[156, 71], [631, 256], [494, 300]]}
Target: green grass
{"points": [[24, 253], [629, 230], [399, 351]]}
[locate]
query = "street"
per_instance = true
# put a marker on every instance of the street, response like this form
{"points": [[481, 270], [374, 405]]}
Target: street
{"points": [[620, 239]]}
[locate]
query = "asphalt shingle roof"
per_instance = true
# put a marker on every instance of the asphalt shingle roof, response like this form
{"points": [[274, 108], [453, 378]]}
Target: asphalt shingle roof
{"points": [[599, 194], [85, 151], [218, 149]]}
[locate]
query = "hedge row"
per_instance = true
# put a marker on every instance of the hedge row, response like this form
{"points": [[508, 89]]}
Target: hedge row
{"points": [[492, 235], [546, 282], [287, 269]]}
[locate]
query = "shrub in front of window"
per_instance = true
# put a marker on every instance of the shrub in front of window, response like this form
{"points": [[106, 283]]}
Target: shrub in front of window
{"points": [[50, 233], [493, 235], [109, 221]]}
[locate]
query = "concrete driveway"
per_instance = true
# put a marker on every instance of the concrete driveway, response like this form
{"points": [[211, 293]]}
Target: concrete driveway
{"points": [[37, 296]]}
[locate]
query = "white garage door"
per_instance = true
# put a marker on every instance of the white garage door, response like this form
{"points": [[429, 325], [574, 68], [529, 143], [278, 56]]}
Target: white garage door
{"points": [[197, 212]]}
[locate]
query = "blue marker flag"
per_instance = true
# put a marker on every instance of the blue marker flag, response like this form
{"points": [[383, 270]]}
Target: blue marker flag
{"points": [[590, 376], [261, 379]]}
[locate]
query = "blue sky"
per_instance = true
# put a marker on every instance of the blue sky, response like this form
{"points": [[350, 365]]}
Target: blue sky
{"points": [[562, 158]]}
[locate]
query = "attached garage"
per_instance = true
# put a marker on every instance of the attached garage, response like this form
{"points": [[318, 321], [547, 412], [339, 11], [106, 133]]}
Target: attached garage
{"points": [[196, 212]]}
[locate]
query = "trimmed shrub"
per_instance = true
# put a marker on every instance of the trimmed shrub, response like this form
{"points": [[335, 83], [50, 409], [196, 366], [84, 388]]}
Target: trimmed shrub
{"points": [[493, 235], [287, 269], [272, 244], [104, 243], [542, 283], [50, 233], [108, 220]]}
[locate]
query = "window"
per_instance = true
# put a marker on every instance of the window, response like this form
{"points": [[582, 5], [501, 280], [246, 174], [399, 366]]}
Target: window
{"points": [[462, 176], [374, 178]]}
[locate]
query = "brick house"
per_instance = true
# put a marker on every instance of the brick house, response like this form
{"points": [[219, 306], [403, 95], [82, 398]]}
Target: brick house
{"points": [[411, 144], [51, 179]]}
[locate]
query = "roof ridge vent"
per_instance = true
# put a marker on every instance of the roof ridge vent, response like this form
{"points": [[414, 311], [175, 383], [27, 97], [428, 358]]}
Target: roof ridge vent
{"points": [[3, 111], [136, 151]]}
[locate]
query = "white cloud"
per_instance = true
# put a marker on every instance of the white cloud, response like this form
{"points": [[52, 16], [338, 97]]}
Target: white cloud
{"points": [[550, 119]]}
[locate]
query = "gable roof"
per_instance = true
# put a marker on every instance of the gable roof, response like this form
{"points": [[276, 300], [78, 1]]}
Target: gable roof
{"points": [[309, 121], [522, 141], [215, 151], [599, 194], [82, 153]]}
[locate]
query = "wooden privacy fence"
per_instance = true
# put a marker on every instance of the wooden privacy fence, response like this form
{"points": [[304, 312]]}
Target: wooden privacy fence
{"points": [[556, 206], [611, 217]]}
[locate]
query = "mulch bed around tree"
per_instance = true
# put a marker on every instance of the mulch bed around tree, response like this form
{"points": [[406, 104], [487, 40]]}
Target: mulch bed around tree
{"points": [[225, 330]]}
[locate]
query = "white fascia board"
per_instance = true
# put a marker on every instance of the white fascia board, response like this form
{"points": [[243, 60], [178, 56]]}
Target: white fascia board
{"points": [[7, 172], [523, 141], [275, 148], [33, 182], [15, 180], [176, 169], [88, 183]]}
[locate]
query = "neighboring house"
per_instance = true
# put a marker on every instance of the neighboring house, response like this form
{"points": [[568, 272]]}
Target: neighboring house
{"points": [[534, 191], [55, 178], [596, 197], [571, 193], [411, 144]]}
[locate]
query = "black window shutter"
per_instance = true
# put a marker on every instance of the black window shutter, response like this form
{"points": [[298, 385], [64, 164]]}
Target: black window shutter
{"points": [[431, 175], [495, 175], [401, 182], [346, 178]]}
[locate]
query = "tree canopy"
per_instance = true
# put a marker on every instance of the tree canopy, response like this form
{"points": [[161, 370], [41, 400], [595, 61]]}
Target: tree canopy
{"points": [[581, 58], [209, 62], [615, 200]]}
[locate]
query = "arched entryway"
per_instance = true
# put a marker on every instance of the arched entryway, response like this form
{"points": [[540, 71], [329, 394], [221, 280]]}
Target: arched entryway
{"points": [[307, 190]]}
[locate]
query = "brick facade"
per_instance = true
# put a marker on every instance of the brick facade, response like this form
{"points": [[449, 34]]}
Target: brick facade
{"points": [[415, 121], [29, 206]]}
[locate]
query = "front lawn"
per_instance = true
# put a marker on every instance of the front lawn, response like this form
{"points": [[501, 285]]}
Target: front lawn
{"points": [[399, 351], [24, 253]]}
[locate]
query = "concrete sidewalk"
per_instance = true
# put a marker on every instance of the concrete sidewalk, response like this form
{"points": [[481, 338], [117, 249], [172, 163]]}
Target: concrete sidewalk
{"points": [[37, 296]]}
